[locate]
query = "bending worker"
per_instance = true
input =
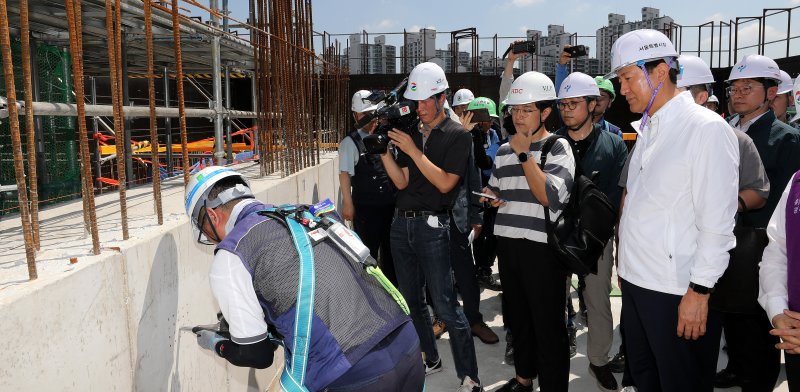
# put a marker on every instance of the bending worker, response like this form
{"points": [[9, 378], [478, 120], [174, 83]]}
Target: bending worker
{"points": [[300, 273]]}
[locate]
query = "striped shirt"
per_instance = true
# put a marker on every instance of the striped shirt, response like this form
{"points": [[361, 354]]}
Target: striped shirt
{"points": [[523, 216]]}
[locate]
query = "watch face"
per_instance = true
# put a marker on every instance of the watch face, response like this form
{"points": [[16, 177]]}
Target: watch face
{"points": [[523, 156]]}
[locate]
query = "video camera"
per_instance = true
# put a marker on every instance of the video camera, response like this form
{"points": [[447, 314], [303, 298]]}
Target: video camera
{"points": [[394, 113], [521, 47]]}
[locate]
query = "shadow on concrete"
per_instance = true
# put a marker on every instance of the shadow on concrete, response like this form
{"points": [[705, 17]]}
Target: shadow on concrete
{"points": [[157, 326]]}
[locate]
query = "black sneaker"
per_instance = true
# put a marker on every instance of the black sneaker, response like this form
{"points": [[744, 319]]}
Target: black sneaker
{"points": [[488, 281], [433, 367], [727, 379], [514, 386], [605, 379], [573, 341], [617, 364]]}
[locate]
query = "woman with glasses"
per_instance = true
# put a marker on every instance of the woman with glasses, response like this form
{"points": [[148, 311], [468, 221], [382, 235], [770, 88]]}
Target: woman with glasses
{"points": [[533, 279]]}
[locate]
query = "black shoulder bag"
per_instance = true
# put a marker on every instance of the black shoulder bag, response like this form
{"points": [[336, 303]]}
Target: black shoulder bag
{"points": [[586, 224]]}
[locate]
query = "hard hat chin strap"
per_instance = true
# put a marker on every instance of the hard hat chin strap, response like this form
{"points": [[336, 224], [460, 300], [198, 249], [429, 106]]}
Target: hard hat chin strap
{"points": [[586, 119], [646, 114]]}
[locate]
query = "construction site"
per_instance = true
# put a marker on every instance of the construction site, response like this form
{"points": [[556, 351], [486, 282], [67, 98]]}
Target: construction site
{"points": [[107, 106]]}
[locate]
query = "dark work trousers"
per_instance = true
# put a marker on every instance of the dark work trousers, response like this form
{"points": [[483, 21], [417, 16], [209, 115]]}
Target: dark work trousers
{"points": [[464, 273], [751, 350], [659, 360], [373, 223], [627, 380], [484, 248], [792, 371], [533, 287]]}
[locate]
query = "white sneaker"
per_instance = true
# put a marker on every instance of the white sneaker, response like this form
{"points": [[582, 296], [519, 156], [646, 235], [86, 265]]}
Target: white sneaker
{"points": [[469, 386]]}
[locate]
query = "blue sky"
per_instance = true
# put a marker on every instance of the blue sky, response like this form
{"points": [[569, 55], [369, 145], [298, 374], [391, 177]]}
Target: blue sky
{"points": [[513, 17]]}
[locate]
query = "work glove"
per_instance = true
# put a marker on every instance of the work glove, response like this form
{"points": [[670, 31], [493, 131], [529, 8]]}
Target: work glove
{"points": [[208, 339]]}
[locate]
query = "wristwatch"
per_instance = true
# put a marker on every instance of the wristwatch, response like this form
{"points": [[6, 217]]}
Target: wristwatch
{"points": [[523, 156], [700, 289]]}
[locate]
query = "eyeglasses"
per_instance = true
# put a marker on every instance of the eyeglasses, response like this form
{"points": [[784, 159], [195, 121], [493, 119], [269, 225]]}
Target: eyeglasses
{"points": [[570, 105], [521, 111], [744, 90]]}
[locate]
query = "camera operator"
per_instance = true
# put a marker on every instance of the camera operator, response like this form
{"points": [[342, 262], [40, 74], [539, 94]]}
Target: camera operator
{"points": [[430, 164], [370, 205]]}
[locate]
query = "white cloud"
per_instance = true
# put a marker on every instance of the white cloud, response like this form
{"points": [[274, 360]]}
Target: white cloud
{"points": [[524, 3], [717, 17], [795, 2], [381, 26]]}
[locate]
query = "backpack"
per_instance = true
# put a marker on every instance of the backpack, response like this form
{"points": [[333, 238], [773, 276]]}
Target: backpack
{"points": [[586, 224]]}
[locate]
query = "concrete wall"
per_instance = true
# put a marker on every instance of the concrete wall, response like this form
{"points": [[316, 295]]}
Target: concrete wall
{"points": [[114, 323]]}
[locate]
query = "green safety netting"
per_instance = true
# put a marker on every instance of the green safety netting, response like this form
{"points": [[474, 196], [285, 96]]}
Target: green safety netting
{"points": [[59, 165]]}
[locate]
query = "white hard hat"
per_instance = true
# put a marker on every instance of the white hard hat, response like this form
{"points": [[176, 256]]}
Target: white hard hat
{"points": [[531, 87], [360, 104], [426, 79], [578, 84], [755, 66], [796, 93], [694, 71], [463, 97], [714, 99], [200, 183], [639, 46], [785, 86]]}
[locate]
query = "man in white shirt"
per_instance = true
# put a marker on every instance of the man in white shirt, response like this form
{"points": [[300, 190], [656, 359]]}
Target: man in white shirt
{"points": [[677, 224]]}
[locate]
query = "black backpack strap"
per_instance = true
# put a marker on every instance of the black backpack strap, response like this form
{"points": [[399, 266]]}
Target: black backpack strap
{"points": [[358, 142], [546, 147]]}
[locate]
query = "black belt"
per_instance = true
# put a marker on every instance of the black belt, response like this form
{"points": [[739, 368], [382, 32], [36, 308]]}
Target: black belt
{"points": [[418, 213]]}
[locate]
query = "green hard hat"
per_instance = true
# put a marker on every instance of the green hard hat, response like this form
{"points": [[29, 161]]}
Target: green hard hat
{"points": [[483, 103], [605, 84]]}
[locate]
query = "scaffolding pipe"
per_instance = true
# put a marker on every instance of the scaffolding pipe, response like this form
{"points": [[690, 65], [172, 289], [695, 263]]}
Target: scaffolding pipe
{"points": [[70, 109], [219, 153]]}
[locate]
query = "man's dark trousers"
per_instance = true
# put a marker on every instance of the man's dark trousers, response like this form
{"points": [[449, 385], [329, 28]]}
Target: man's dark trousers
{"points": [[464, 272], [659, 360]]}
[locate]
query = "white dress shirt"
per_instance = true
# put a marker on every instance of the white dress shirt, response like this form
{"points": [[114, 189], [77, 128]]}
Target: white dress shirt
{"points": [[773, 294], [677, 224]]}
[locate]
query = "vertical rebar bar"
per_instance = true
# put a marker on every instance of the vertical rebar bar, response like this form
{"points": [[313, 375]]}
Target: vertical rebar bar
{"points": [[16, 141], [116, 101], [30, 137], [74, 21], [151, 91], [176, 38]]}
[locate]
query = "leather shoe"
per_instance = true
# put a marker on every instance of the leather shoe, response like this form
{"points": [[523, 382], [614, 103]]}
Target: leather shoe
{"points": [[439, 328], [514, 386], [727, 379], [617, 364], [605, 379], [484, 333]]}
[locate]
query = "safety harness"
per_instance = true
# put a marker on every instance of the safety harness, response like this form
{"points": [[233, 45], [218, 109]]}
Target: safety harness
{"points": [[308, 227]]}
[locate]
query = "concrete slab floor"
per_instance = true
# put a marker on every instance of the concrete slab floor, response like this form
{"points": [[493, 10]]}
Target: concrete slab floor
{"points": [[494, 373]]}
